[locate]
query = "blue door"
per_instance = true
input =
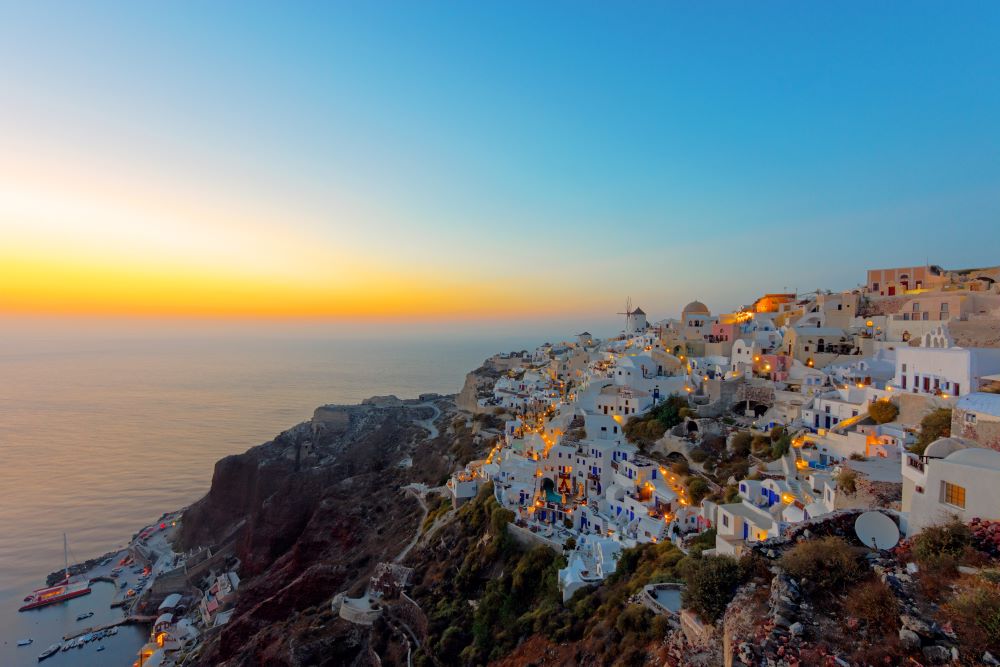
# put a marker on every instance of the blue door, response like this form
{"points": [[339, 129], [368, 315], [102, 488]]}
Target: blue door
{"points": [[746, 530]]}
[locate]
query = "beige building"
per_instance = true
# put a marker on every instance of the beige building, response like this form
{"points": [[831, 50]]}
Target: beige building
{"points": [[976, 417]]}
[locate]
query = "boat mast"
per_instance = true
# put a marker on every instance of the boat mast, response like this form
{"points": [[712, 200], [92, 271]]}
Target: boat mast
{"points": [[66, 556]]}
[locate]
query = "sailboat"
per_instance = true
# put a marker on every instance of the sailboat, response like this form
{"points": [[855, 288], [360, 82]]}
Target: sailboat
{"points": [[64, 590]]}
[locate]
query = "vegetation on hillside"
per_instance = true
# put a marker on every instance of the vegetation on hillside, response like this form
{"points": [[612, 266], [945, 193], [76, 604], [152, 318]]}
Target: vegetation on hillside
{"points": [[882, 411], [934, 425], [649, 427]]}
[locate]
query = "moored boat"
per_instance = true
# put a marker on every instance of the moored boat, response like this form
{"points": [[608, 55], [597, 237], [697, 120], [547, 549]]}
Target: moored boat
{"points": [[67, 589], [24, 642], [49, 651]]}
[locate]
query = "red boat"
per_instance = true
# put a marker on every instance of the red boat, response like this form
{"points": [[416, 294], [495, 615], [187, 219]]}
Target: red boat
{"points": [[64, 590]]}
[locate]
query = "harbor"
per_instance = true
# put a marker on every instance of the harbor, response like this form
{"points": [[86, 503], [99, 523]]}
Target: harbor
{"points": [[95, 612]]}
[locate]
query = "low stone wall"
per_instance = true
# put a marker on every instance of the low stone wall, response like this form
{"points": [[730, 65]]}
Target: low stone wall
{"points": [[528, 539], [356, 610]]}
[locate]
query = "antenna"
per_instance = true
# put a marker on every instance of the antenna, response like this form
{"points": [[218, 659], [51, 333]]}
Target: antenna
{"points": [[876, 530]]}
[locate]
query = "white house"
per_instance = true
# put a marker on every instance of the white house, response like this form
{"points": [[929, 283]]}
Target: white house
{"points": [[953, 478], [740, 523], [948, 371]]}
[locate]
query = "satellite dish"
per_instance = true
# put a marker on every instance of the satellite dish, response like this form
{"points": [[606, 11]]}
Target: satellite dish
{"points": [[876, 530]]}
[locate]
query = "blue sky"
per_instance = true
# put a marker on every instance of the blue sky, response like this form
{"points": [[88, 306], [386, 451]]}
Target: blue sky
{"points": [[570, 153]]}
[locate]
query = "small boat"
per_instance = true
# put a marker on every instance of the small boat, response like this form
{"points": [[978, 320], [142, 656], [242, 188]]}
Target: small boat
{"points": [[49, 651], [24, 642], [101, 647], [114, 630], [85, 616]]}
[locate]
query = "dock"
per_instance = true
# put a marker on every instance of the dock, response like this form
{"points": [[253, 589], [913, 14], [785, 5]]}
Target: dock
{"points": [[128, 620]]}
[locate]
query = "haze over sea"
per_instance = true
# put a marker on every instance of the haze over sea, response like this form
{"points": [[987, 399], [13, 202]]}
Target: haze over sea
{"points": [[103, 430]]}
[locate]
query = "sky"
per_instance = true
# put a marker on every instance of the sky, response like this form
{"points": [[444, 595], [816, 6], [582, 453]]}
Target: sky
{"points": [[487, 161]]}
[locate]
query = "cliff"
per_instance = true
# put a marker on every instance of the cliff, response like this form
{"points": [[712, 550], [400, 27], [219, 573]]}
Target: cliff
{"points": [[320, 506]]}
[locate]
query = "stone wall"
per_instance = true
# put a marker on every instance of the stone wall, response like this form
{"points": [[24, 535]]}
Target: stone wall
{"points": [[528, 539]]}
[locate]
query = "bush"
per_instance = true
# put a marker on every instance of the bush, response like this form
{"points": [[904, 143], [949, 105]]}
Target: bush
{"points": [[976, 612], [934, 425], [760, 444], [847, 480], [697, 489], [781, 446], [698, 455], [777, 432], [874, 603], [710, 584], [828, 563], [742, 443], [950, 539], [883, 411], [680, 467]]}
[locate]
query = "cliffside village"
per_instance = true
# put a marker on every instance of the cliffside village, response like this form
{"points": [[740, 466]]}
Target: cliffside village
{"points": [[814, 368]]}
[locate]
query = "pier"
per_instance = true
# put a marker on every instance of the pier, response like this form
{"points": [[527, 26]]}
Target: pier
{"points": [[128, 620]]}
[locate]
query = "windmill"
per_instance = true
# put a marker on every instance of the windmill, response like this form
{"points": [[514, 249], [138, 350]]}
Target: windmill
{"points": [[632, 317], [627, 313]]}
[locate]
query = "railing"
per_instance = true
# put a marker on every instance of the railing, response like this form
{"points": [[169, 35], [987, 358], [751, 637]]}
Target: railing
{"points": [[915, 462]]}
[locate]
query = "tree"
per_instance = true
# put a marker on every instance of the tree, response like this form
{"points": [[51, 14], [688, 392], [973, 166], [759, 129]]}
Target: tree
{"points": [[781, 446], [742, 443], [934, 425], [698, 488], [710, 584], [883, 411]]}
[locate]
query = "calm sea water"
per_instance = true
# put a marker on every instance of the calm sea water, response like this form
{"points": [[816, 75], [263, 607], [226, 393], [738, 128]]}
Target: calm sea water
{"points": [[100, 436]]}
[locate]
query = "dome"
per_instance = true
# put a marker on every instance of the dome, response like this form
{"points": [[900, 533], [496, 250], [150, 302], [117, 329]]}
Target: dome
{"points": [[976, 457], [942, 447], [696, 308]]}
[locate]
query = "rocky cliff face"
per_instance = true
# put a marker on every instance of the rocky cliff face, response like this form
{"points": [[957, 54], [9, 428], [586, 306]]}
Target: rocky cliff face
{"points": [[320, 506]]}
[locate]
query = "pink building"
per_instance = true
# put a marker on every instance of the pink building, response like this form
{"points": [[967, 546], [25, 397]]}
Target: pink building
{"points": [[722, 333], [774, 366]]}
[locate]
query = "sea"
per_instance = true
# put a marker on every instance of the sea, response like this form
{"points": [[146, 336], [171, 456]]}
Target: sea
{"points": [[101, 433]]}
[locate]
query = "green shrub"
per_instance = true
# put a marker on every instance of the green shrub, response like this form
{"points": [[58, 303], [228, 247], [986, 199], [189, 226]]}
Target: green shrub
{"points": [[781, 446], [710, 584], [697, 489], [829, 564], [777, 432], [882, 411], [950, 539]]}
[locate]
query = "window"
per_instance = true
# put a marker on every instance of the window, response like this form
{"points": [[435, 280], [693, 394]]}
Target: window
{"points": [[970, 418], [944, 307], [904, 368], [916, 306], [725, 520], [953, 494], [874, 287]]}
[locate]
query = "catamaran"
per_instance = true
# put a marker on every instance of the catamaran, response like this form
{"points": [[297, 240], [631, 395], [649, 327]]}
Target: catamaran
{"points": [[64, 590]]}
